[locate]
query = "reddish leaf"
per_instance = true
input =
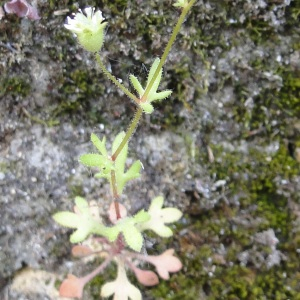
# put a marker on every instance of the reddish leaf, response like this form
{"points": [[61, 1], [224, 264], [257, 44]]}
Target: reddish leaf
{"points": [[165, 263], [147, 278], [81, 251], [72, 287]]}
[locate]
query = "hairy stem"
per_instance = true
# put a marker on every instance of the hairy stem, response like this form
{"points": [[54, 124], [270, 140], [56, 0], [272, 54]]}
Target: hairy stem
{"points": [[129, 132], [115, 80], [127, 136], [168, 47], [115, 194], [139, 111]]}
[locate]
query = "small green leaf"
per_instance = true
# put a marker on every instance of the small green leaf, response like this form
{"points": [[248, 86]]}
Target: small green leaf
{"points": [[171, 214], [136, 84], [141, 216], [153, 95], [156, 203], [67, 219], [160, 96], [134, 171], [127, 226], [151, 74], [80, 235], [82, 204], [83, 220], [112, 233], [92, 160], [106, 164], [133, 238], [163, 231], [100, 145], [121, 176], [147, 107]]}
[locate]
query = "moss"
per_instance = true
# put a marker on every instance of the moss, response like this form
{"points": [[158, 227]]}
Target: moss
{"points": [[58, 4], [292, 14], [117, 7], [205, 274], [274, 108], [170, 112], [279, 106], [260, 32], [255, 174], [77, 94], [15, 86], [202, 279]]}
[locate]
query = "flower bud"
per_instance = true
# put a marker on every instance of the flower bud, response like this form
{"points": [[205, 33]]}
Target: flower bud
{"points": [[89, 28]]}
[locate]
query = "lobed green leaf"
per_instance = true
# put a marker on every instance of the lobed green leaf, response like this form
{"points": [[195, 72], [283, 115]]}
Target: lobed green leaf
{"points": [[92, 160]]}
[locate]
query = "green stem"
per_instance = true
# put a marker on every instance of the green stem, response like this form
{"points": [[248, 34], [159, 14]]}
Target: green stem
{"points": [[129, 132], [115, 80], [168, 47]]}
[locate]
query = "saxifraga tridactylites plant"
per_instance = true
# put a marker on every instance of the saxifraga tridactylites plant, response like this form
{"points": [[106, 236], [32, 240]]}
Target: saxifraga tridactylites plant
{"points": [[122, 241]]}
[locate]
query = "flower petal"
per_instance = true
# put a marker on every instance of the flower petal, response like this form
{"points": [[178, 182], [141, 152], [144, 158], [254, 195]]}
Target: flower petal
{"points": [[89, 27]]}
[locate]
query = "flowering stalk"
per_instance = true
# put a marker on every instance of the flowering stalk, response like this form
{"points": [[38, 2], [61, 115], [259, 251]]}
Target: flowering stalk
{"points": [[115, 80], [122, 241]]}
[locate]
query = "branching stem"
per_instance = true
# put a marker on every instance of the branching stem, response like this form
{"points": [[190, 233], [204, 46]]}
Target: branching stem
{"points": [[100, 269], [128, 134], [139, 111]]}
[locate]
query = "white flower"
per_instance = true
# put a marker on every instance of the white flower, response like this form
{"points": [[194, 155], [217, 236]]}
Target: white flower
{"points": [[121, 287], [89, 28], [160, 216]]}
